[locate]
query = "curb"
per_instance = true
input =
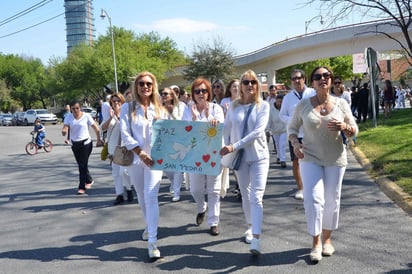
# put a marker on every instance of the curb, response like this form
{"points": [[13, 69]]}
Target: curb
{"points": [[390, 188]]}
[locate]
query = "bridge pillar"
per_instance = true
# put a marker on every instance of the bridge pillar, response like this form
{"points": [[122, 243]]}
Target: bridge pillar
{"points": [[271, 76]]}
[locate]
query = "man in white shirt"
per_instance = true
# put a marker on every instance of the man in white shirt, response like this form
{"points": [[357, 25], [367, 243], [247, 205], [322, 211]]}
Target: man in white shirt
{"points": [[299, 91]]}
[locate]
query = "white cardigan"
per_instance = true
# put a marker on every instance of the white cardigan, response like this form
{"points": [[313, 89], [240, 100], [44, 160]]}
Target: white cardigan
{"points": [[254, 141]]}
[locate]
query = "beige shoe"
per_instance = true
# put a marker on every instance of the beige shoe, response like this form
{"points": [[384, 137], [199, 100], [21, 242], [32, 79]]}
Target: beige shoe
{"points": [[316, 254], [153, 251], [328, 250]]}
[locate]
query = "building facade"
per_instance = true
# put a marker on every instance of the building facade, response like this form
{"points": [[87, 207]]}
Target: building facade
{"points": [[80, 27]]}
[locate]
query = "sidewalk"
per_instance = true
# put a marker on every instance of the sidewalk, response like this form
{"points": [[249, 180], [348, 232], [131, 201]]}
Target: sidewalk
{"points": [[46, 228]]}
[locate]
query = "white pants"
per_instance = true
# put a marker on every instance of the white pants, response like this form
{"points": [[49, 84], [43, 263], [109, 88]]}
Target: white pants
{"points": [[147, 183], [201, 184], [280, 142], [321, 193], [121, 178], [176, 179], [252, 178]]}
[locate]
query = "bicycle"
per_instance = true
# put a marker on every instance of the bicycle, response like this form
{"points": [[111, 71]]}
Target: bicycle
{"points": [[32, 148]]}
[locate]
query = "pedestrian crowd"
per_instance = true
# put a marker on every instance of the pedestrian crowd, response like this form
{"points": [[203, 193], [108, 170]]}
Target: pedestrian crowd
{"points": [[312, 123]]}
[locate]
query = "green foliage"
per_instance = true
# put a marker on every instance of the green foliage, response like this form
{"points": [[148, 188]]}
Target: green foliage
{"points": [[211, 62], [388, 147], [340, 65]]}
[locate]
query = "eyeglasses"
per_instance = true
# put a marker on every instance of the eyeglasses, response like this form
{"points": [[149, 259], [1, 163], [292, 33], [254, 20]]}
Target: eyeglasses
{"points": [[148, 84], [319, 76], [198, 91], [216, 86], [338, 83], [247, 82], [164, 94], [296, 78]]}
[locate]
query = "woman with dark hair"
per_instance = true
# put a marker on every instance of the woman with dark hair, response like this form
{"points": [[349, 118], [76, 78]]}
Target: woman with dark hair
{"points": [[136, 130], [388, 98], [203, 110], [218, 89], [322, 157], [244, 128], [79, 122], [231, 94], [112, 126]]}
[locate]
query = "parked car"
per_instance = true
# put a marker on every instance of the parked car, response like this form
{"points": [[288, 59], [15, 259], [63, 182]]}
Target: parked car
{"points": [[7, 117], [1, 118], [44, 115], [90, 111], [18, 118]]}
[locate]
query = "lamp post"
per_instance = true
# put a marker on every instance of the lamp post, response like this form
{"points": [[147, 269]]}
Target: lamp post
{"points": [[307, 23], [103, 14]]}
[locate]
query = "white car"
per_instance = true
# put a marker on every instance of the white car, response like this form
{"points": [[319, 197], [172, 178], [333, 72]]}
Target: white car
{"points": [[44, 115], [7, 117], [90, 111]]}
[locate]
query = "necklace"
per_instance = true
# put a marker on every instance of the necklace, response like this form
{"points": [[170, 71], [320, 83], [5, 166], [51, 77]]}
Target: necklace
{"points": [[323, 109]]}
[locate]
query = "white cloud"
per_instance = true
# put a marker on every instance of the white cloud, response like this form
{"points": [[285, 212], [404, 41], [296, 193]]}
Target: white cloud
{"points": [[184, 25]]}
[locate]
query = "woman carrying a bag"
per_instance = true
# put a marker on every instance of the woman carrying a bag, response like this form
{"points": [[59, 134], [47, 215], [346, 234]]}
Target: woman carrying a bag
{"points": [[112, 126], [244, 128], [136, 131]]}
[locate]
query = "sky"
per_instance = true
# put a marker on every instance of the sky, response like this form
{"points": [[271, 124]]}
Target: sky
{"points": [[243, 25]]}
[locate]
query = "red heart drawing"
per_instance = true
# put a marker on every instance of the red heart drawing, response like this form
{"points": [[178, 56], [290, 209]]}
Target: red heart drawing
{"points": [[160, 161], [188, 128], [214, 151], [206, 158], [197, 163], [213, 164]]}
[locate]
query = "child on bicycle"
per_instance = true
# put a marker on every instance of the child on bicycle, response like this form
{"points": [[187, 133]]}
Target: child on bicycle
{"points": [[41, 132]]}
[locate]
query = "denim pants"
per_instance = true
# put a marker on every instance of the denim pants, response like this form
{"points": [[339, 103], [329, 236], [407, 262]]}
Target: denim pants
{"points": [[82, 153]]}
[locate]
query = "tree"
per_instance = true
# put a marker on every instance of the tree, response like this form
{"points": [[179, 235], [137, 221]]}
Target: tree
{"points": [[211, 62], [340, 65], [398, 13]]}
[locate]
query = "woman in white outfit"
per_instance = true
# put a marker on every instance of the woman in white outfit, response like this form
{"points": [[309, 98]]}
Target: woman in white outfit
{"points": [[205, 111], [112, 127], [322, 157], [277, 129], [136, 130], [254, 167], [171, 103]]}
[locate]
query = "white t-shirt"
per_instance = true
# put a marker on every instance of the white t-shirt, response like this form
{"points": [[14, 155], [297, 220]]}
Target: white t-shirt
{"points": [[79, 129]]}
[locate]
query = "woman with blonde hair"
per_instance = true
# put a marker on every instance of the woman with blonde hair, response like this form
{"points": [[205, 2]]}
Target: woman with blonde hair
{"points": [[171, 102], [136, 130], [244, 129]]}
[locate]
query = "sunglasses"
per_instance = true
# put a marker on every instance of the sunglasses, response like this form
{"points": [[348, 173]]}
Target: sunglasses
{"points": [[75, 108], [216, 86], [198, 91], [116, 101], [338, 83], [319, 76], [247, 82], [148, 84], [164, 94], [296, 78]]}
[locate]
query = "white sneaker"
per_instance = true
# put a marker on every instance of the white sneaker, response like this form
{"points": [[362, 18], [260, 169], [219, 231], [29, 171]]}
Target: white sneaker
{"points": [[316, 254], [255, 246], [248, 236], [145, 235], [299, 194], [153, 251], [176, 199]]}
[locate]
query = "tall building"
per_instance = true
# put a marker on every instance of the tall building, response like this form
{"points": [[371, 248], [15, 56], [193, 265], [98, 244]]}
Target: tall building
{"points": [[80, 27]]}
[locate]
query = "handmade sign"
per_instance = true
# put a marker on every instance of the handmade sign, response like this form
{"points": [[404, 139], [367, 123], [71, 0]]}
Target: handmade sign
{"points": [[186, 146]]}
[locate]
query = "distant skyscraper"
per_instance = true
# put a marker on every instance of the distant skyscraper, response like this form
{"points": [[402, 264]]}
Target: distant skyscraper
{"points": [[79, 22]]}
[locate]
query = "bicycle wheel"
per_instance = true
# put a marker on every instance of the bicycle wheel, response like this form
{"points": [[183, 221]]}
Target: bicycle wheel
{"points": [[31, 148], [48, 146]]}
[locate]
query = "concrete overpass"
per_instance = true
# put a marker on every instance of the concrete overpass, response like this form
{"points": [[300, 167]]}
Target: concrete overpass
{"points": [[349, 39]]}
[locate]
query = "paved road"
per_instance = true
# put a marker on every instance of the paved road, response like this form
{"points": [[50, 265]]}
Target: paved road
{"points": [[46, 228]]}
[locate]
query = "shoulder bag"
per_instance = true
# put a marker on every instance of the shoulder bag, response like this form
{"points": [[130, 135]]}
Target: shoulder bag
{"points": [[121, 155], [233, 160]]}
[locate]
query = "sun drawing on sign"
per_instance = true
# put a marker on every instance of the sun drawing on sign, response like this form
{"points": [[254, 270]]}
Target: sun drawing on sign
{"points": [[210, 132]]}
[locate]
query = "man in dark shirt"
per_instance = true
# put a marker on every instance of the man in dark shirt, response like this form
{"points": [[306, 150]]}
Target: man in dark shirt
{"points": [[363, 96]]}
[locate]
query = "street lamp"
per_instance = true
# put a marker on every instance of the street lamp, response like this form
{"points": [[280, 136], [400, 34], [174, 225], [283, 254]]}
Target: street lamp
{"points": [[310, 21], [103, 14]]}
